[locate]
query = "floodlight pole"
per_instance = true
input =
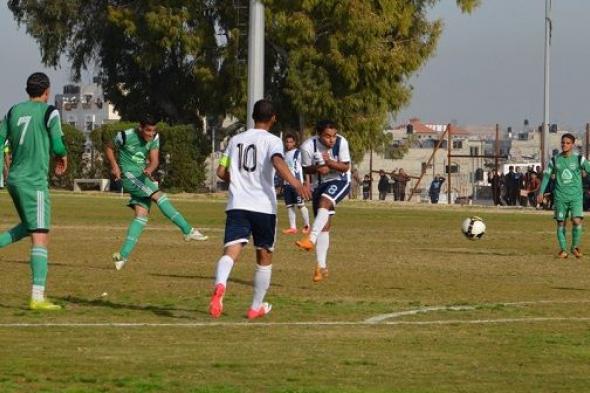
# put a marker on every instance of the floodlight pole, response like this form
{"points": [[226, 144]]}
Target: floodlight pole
{"points": [[255, 57], [548, 28]]}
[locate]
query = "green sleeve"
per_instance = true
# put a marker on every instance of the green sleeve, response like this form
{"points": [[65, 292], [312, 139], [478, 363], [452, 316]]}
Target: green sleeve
{"points": [[56, 135], [3, 134]]}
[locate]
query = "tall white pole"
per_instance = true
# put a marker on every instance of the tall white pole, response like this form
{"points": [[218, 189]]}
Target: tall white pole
{"points": [[255, 57], [546, 153]]}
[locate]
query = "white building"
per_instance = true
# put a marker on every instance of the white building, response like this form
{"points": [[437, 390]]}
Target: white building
{"points": [[84, 107]]}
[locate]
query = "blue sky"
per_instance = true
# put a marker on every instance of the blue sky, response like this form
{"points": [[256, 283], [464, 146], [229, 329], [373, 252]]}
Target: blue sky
{"points": [[488, 67]]}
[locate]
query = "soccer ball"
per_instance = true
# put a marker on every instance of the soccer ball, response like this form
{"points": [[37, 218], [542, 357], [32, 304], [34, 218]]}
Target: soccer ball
{"points": [[473, 228]]}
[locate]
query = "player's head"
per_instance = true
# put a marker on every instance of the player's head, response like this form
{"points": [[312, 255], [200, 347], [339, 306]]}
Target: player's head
{"points": [[264, 114], [567, 142], [326, 130], [290, 142], [38, 86], [147, 127]]}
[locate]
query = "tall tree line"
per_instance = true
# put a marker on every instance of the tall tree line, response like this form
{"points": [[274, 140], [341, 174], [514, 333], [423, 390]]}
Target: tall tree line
{"points": [[349, 60]]}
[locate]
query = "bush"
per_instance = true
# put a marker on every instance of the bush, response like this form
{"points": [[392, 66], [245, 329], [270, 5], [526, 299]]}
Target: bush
{"points": [[74, 141], [183, 150]]}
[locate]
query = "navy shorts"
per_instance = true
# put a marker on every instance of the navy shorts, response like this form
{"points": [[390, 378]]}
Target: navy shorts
{"points": [[291, 196], [240, 224], [334, 190]]}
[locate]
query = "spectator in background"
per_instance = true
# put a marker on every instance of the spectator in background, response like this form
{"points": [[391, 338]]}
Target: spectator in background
{"points": [[401, 179], [509, 180], [383, 185], [533, 189], [366, 187], [495, 180], [516, 186], [435, 187], [394, 185], [355, 183]]}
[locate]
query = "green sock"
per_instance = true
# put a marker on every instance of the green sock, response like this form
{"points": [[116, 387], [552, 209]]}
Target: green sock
{"points": [[561, 237], [13, 235], [39, 265], [576, 235], [133, 232], [173, 215]]}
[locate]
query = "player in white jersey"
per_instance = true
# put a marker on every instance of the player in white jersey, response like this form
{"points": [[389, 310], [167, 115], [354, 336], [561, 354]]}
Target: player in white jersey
{"points": [[326, 156], [249, 164], [292, 199]]}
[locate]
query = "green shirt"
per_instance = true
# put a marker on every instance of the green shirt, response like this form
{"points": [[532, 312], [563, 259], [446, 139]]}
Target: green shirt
{"points": [[33, 131], [134, 150], [568, 175]]}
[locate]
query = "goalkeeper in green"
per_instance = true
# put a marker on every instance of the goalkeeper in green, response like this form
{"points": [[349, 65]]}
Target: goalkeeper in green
{"points": [[566, 168], [138, 157], [33, 131]]}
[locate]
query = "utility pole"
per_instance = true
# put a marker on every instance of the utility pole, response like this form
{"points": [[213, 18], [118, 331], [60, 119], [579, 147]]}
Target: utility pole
{"points": [[548, 28], [255, 57]]}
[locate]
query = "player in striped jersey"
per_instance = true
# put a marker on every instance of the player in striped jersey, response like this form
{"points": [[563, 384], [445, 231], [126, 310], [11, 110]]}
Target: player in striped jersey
{"points": [[33, 131], [292, 199], [326, 157], [136, 147]]}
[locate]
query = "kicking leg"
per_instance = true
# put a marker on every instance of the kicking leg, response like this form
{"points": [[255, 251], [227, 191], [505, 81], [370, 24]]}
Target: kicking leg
{"points": [[13, 235], [170, 212]]}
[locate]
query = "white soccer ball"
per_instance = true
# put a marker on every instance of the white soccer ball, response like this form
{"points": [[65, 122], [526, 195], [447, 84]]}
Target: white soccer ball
{"points": [[473, 228]]}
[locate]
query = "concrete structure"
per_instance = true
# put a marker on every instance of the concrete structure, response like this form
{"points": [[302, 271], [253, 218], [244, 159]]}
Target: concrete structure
{"points": [[84, 107]]}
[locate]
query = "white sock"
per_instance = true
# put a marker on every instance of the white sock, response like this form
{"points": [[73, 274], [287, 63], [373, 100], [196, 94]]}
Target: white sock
{"points": [[292, 217], [319, 223], [38, 293], [261, 284], [224, 267], [321, 249], [305, 214]]}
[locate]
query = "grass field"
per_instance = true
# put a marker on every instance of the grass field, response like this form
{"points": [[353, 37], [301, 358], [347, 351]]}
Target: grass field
{"points": [[499, 315]]}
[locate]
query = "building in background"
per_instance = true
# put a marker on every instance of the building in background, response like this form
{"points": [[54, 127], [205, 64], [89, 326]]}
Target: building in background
{"points": [[84, 107]]}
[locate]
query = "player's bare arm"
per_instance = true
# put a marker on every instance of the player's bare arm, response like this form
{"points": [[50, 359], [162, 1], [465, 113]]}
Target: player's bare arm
{"points": [[61, 165], [110, 153], [223, 173], [336, 165], [154, 162], [284, 172]]}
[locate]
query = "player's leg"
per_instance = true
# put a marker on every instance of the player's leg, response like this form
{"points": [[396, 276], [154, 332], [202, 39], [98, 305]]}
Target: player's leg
{"points": [[304, 214], [168, 210], [322, 246], [134, 231], [237, 232], [290, 195], [577, 213], [560, 215], [263, 233], [36, 207], [19, 231]]}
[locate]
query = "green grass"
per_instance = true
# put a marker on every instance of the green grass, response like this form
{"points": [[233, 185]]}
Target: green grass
{"points": [[383, 259]]}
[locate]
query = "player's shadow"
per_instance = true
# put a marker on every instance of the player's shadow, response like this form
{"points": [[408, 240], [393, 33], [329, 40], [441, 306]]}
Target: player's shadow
{"points": [[51, 263], [459, 251], [161, 311], [211, 278]]}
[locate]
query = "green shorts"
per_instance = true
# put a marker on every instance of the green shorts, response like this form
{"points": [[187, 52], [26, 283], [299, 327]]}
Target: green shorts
{"points": [[568, 208], [33, 206], [141, 188]]}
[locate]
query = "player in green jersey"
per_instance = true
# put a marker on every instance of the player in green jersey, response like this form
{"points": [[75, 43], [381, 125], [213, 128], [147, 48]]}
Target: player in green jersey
{"points": [[33, 131], [566, 168], [138, 157]]}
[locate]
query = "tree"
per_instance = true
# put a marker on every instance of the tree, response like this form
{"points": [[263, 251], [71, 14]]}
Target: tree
{"points": [[348, 60]]}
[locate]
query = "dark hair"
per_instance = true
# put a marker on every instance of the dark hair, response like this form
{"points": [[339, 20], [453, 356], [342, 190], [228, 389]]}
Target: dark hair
{"points": [[263, 111], [290, 136], [569, 136], [324, 124], [148, 120], [37, 83]]}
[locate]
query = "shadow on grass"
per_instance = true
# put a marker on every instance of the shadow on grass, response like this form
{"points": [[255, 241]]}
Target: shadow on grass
{"points": [[162, 311], [570, 289], [211, 278], [463, 251], [51, 263]]}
